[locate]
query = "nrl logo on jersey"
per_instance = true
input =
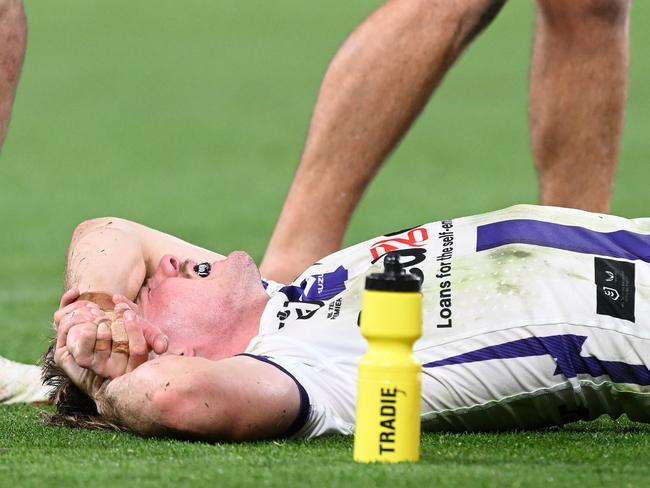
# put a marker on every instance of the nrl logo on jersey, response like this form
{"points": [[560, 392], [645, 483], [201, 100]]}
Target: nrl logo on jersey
{"points": [[615, 288]]}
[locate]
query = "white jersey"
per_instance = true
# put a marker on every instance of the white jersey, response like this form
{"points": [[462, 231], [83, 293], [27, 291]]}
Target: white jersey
{"points": [[532, 316]]}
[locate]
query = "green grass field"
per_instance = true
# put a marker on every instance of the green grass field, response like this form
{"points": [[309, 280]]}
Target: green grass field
{"points": [[190, 117]]}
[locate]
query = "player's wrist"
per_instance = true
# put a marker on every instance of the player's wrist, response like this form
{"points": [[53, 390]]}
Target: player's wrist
{"points": [[103, 299]]}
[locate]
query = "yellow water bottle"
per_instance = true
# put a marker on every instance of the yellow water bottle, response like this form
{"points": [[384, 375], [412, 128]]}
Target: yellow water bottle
{"points": [[388, 400]]}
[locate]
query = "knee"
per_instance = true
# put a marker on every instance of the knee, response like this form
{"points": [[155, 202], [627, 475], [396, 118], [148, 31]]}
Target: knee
{"points": [[573, 14]]}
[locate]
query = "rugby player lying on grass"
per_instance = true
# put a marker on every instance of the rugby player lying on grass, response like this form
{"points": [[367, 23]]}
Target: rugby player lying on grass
{"points": [[533, 316]]}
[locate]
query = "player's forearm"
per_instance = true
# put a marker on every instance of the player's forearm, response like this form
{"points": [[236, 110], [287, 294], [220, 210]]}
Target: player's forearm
{"points": [[106, 255], [12, 52], [116, 255]]}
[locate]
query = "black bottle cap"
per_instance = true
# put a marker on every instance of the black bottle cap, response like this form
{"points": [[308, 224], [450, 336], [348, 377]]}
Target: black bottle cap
{"points": [[394, 277]]}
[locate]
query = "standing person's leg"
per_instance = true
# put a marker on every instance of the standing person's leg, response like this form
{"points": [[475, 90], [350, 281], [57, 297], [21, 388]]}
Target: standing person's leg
{"points": [[578, 88], [18, 382], [13, 33], [375, 87]]}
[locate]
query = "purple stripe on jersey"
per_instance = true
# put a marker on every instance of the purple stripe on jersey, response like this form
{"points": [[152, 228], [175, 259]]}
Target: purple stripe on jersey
{"points": [[326, 285], [317, 287], [618, 244], [565, 350], [305, 405]]}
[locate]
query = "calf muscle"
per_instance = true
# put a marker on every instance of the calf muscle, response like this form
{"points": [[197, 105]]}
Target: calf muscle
{"points": [[13, 32], [578, 89]]}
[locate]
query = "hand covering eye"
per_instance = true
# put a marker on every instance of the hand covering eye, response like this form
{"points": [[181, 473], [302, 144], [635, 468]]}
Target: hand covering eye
{"points": [[202, 269]]}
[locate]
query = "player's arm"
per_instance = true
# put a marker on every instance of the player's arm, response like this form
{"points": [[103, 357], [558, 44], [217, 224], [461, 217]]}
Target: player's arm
{"points": [[115, 255], [238, 398], [235, 399], [108, 257]]}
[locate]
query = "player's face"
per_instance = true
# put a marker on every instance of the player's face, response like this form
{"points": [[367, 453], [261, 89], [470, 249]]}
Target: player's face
{"points": [[197, 313]]}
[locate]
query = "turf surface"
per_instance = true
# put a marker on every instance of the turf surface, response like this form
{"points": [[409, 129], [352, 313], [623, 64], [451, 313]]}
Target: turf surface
{"points": [[598, 454], [190, 117]]}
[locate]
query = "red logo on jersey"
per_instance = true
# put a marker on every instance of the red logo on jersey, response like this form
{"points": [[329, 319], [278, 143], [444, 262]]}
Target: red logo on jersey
{"points": [[415, 238]]}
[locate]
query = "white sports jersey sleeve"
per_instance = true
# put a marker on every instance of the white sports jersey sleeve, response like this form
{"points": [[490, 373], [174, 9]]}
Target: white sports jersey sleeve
{"points": [[532, 316]]}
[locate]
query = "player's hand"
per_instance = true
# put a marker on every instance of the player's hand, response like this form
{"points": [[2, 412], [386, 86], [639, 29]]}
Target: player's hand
{"points": [[69, 306], [81, 314], [85, 379], [86, 332], [96, 340], [138, 328], [108, 343], [65, 319]]}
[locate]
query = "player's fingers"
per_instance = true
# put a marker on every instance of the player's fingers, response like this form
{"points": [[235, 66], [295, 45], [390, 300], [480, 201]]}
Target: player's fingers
{"points": [[61, 338], [121, 308], [64, 360], [73, 319], [102, 350], [81, 314], [156, 340], [117, 363], [85, 379], [138, 350], [81, 311], [121, 299], [70, 308], [68, 297], [81, 343], [63, 311]]}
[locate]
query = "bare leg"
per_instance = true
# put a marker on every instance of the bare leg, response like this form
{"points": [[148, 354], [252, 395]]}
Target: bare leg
{"points": [[375, 87], [13, 33], [578, 89], [19, 383]]}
